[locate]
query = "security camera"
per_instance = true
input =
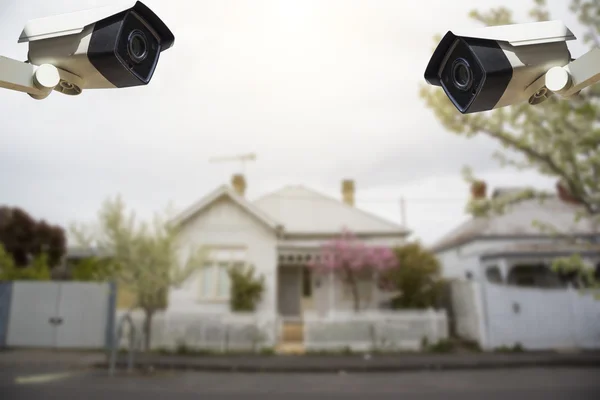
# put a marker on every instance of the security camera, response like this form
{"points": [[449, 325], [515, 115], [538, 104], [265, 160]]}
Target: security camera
{"points": [[497, 66], [110, 47]]}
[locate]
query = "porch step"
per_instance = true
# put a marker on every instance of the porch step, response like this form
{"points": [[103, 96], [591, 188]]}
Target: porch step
{"points": [[290, 348], [292, 332]]}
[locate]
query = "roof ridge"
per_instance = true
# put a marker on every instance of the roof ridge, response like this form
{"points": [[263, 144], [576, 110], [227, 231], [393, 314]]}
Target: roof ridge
{"points": [[340, 202], [220, 190]]}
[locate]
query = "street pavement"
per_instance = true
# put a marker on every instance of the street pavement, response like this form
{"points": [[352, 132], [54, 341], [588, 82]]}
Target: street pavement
{"points": [[46, 382]]}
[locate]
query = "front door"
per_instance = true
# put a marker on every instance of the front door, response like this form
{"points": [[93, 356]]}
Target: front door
{"points": [[290, 291]]}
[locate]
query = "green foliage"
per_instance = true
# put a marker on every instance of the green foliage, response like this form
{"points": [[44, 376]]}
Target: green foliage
{"points": [[516, 348], [25, 238], [246, 288], [93, 269], [417, 277], [442, 346], [142, 256], [38, 270]]}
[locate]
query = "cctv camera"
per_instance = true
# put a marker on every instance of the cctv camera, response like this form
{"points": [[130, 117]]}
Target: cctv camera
{"points": [[109, 47], [497, 66]]}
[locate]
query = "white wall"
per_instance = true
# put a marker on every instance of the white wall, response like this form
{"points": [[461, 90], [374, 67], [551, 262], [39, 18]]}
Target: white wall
{"points": [[537, 319], [468, 310], [225, 223], [541, 318]]}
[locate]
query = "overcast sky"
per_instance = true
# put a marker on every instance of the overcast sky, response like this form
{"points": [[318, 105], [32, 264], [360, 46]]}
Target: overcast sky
{"points": [[320, 90]]}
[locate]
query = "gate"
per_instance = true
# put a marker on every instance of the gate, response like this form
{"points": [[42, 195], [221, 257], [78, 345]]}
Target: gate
{"points": [[59, 315]]}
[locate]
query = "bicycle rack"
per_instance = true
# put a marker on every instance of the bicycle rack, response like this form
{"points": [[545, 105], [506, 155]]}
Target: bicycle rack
{"points": [[135, 342]]}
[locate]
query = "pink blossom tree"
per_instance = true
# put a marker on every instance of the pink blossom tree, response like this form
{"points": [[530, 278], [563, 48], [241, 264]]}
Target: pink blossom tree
{"points": [[349, 258]]}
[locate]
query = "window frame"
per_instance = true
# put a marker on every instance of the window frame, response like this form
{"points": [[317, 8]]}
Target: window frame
{"points": [[218, 263]]}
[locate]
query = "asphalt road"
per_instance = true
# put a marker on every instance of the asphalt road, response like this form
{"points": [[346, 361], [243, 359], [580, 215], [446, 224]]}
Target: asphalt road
{"points": [[515, 384]]}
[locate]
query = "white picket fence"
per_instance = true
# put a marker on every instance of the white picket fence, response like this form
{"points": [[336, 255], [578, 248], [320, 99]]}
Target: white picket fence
{"points": [[195, 331], [378, 330], [247, 332]]}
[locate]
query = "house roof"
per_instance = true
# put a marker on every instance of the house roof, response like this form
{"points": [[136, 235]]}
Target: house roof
{"points": [[517, 222], [304, 211], [220, 192]]}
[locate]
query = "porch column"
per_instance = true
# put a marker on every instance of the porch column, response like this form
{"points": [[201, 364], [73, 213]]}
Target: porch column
{"points": [[331, 294], [375, 286], [504, 267]]}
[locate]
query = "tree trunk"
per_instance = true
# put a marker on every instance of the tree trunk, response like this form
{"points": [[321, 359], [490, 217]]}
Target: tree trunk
{"points": [[148, 328], [354, 288]]}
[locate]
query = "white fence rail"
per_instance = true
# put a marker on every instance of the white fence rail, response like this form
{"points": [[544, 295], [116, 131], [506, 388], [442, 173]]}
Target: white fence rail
{"points": [[366, 331], [387, 331]]}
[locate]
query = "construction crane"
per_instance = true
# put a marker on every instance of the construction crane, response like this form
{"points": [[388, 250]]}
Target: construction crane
{"points": [[242, 158]]}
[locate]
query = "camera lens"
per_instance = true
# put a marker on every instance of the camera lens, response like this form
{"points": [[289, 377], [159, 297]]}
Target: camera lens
{"points": [[462, 76], [137, 46]]}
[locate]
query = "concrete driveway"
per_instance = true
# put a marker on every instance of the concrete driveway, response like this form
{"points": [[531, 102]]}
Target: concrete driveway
{"points": [[45, 382]]}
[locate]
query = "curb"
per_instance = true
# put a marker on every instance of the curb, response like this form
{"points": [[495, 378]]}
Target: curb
{"points": [[366, 368]]}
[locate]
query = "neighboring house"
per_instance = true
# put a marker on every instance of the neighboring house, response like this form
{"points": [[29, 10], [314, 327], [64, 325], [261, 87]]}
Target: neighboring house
{"points": [[509, 248], [278, 234], [504, 291]]}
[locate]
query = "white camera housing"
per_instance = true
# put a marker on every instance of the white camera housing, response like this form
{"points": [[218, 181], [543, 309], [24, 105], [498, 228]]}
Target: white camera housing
{"points": [[110, 47], [497, 66]]}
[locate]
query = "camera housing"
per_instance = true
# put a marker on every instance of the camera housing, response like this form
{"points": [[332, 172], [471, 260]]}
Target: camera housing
{"points": [[497, 66], [109, 47]]}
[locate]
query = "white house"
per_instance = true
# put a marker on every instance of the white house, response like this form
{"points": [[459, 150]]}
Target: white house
{"points": [[504, 291], [277, 234], [511, 248]]}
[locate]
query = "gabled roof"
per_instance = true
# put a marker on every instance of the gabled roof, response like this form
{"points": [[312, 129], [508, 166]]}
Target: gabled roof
{"points": [[304, 211], [517, 222], [224, 191]]}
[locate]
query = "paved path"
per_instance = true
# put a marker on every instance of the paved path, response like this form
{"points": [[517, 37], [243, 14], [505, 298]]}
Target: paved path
{"points": [[523, 384]]}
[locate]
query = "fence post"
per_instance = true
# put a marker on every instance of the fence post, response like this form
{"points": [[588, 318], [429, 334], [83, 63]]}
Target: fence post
{"points": [[431, 314], [111, 314]]}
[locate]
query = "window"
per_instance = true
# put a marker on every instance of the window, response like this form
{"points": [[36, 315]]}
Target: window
{"points": [[214, 278], [493, 275]]}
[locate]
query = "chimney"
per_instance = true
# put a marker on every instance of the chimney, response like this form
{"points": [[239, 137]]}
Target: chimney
{"points": [[348, 191], [478, 190], [239, 184], [565, 194]]}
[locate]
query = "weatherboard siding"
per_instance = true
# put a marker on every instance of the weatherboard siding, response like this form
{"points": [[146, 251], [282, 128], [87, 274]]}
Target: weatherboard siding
{"points": [[225, 223]]}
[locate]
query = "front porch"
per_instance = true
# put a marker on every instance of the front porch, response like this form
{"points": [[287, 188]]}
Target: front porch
{"points": [[303, 293]]}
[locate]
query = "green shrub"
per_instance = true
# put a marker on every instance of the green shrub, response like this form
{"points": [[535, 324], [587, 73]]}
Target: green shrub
{"points": [[246, 288]]}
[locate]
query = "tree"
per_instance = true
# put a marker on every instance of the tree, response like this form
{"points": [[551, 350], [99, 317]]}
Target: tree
{"points": [[349, 258], [418, 282], [144, 257], [25, 238], [92, 269], [558, 138], [38, 269]]}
